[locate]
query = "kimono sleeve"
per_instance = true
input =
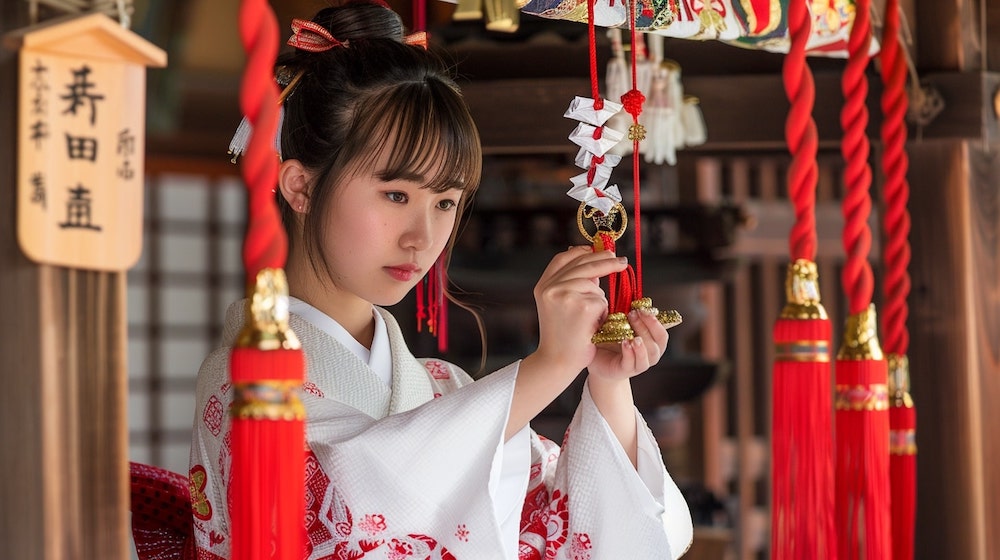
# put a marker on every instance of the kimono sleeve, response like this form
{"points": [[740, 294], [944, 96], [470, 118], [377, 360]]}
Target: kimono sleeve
{"points": [[586, 501]]}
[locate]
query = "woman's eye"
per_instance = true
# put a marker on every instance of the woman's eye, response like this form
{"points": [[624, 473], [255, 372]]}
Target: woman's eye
{"points": [[396, 196], [447, 204]]}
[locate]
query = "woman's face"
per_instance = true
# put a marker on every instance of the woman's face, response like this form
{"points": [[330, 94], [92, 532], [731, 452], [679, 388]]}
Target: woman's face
{"points": [[383, 236]]}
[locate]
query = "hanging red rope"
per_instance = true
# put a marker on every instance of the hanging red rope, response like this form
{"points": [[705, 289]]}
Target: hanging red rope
{"points": [[802, 481], [862, 419], [896, 288], [267, 505], [621, 286], [632, 103]]}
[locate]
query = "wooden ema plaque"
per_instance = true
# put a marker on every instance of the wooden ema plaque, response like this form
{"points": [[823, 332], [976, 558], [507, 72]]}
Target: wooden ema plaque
{"points": [[81, 141]]}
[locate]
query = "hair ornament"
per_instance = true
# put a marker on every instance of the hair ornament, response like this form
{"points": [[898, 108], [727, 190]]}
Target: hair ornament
{"points": [[313, 37], [241, 138], [417, 39]]}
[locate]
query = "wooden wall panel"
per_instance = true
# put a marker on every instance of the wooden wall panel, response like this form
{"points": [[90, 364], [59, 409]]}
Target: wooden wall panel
{"points": [[984, 249], [943, 361], [64, 491]]}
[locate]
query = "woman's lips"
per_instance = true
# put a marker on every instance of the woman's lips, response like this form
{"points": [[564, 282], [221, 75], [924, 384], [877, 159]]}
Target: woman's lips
{"points": [[403, 272]]}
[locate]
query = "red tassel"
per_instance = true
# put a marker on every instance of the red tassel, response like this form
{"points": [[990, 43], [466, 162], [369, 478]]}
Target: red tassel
{"points": [[432, 304], [621, 285], [267, 503], [902, 458], [802, 439], [441, 320], [862, 428]]}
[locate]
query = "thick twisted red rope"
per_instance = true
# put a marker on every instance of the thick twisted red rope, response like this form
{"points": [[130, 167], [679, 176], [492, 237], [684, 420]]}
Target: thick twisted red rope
{"points": [[896, 284], [857, 273], [896, 222], [800, 133], [265, 245]]}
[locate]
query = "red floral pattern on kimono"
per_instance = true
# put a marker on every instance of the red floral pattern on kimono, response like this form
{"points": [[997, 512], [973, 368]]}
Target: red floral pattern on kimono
{"points": [[358, 507]]}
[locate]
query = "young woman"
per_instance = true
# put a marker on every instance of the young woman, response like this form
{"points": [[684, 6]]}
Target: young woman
{"points": [[409, 458]]}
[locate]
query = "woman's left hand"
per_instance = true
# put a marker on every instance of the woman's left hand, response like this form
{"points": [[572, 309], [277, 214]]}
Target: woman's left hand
{"points": [[620, 361]]}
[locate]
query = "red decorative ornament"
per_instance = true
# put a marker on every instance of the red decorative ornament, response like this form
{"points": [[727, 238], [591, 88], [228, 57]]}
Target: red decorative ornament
{"points": [[802, 522], [267, 366], [896, 288], [862, 424]]}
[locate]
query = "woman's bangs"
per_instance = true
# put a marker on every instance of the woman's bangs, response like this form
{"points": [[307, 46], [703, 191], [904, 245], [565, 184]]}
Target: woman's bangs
{"points": [[430, 135]]}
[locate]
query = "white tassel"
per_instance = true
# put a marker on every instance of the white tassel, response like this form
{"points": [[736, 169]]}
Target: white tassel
{"points": [[238, 145], [695, 133], [616, 84]]}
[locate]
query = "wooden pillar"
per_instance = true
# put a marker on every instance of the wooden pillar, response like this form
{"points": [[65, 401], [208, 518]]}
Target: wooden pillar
{"points": [[954, 317], [954, 347], [63, 446]]}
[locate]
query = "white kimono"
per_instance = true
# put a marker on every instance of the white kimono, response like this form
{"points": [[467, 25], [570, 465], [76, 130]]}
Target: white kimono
{"points": [[417, 468]]}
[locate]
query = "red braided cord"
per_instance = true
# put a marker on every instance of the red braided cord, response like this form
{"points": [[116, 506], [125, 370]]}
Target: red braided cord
{"points": [[856, 207], [800, 133], [634, 99], [265, 245], [896, 223], [592, 43]]}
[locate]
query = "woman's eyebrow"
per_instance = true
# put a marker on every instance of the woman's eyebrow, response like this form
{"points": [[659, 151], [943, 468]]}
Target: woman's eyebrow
{"points": [[404, 175]]}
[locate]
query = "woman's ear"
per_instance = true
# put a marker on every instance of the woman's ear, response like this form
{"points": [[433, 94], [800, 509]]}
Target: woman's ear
{"points": [[293, 182]]}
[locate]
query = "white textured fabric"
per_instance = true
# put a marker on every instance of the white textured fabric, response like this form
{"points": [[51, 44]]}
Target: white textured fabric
{"points": [[509, 470], [378, 358], [398, 473]]}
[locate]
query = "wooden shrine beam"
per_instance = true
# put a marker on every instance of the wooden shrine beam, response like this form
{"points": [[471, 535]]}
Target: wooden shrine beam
{"points": [[742, 112]]}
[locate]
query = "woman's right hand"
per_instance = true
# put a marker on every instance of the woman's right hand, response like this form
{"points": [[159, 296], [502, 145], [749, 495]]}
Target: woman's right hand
{"points": [[571, 306]]}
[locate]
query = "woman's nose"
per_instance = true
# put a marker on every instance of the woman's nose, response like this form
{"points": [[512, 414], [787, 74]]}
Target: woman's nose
{"points": [[418, 232]]}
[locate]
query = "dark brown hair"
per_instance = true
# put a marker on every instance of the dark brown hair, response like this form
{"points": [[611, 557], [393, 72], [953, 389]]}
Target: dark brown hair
{"points": [[374, 94]]}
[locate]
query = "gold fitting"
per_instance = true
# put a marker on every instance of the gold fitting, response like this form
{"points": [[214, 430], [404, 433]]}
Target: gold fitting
{"points": [[899, 381], [615, 329], [267, 400], [862, 398], [266, 326], [902, 442], [861, 337], [636, 132], [645, 305], [802, 292], [603, 223], [669, 318]]}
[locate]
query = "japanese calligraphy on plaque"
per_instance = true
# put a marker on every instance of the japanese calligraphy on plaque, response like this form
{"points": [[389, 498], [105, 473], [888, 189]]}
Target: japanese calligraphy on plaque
{"points": [[81, 125]]}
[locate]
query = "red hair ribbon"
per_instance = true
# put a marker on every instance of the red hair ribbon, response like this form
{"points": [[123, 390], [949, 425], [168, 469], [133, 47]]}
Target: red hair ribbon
{"points": [[417, 39], [313, 37]]}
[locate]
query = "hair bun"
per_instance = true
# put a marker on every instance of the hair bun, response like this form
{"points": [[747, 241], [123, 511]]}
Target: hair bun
{"points": [[361, 19]]}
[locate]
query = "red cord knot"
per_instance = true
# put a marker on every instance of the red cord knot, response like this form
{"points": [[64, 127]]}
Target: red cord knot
{"points": [[598, 103], [598, 132], [596, 160], [633, 100]]}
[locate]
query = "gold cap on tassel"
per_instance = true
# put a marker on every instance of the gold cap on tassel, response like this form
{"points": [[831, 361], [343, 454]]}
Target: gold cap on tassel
{"points": [[802, 292], [616, 327], [266, 326], [861, 337], [899, 381]]}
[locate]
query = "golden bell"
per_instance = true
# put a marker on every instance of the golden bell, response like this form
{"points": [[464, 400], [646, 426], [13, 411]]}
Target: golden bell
{"points": [[614, 329], [669, 318]]}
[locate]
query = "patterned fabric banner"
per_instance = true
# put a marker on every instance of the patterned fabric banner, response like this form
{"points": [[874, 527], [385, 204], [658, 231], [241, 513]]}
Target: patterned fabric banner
{"points": [[756, 24]]}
